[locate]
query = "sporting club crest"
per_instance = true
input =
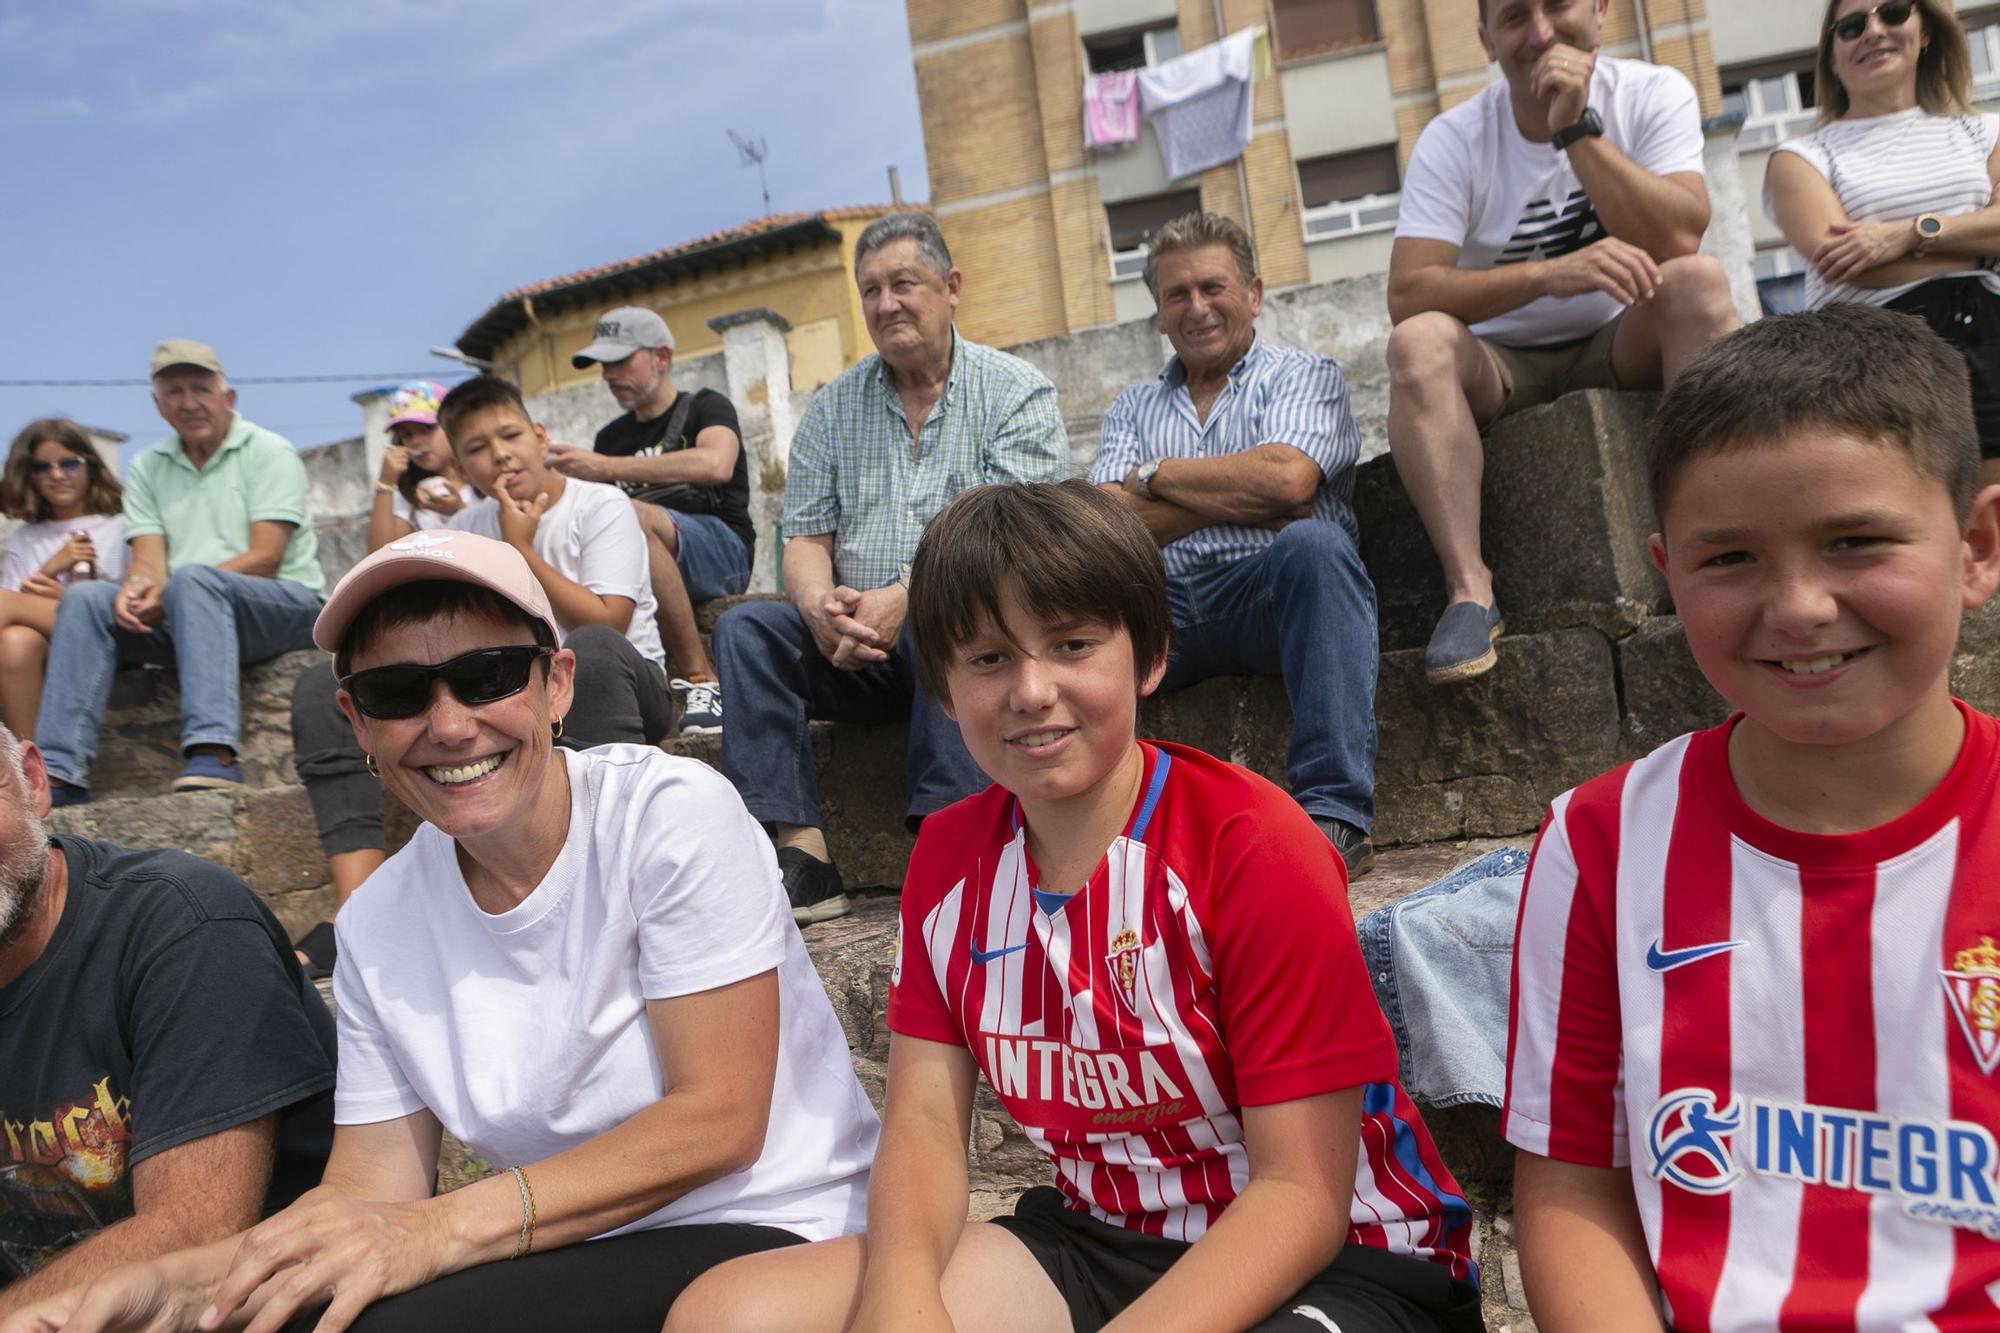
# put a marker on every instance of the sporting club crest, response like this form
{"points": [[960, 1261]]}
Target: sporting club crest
{"points": [[1124, 963], [1972, 988], [1690, 1141]]}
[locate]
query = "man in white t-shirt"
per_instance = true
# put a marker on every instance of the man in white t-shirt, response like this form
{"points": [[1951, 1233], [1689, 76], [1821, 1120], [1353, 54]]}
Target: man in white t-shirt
{"points": [[1546, 243], [586, 549]]}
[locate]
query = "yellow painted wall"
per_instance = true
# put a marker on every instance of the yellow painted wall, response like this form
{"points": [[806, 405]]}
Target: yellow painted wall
{"points": [[810, 288]]}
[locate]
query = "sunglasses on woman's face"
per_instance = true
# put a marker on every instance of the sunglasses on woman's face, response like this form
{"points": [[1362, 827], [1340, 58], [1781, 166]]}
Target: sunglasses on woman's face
{"points": [[69, 465], [1894, 14], [481, 676]]}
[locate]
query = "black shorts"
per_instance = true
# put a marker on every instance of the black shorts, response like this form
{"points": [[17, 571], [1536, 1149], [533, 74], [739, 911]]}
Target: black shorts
{"points": [[1965, 314], [1100, 1269], [624, 1284]]}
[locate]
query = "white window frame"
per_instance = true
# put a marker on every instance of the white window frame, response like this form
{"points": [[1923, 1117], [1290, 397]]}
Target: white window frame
{"points": [[1128, 265], [1774, 110], [1783, 262], [1985, 41], [1351, 217]]}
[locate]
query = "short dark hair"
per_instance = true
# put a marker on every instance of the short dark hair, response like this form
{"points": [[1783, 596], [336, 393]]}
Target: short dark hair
{"points": [[431, 599], [1065, 547], [476, 395], [1860, 370]]}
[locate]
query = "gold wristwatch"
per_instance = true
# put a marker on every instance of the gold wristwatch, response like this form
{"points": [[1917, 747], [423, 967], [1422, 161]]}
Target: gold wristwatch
{"points": [[1928, 227]]}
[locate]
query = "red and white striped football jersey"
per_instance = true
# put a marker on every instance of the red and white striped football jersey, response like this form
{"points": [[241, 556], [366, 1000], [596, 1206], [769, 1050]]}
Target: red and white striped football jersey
{"points": [[1790, 1040], [1209, 964]]}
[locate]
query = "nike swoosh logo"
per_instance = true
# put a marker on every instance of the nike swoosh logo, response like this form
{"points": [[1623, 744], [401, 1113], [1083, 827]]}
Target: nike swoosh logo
{"points": [[1668, 960], [982, 956]]}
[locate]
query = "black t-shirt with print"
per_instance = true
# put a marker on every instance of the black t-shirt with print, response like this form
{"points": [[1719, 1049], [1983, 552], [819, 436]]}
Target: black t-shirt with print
{"points": [[629, 437], [168, 1006]]}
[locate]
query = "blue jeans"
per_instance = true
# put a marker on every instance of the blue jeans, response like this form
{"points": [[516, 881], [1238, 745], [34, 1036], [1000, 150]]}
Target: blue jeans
{"points": [[1303, 609], [777, 681], [713, 560], [1442, 961], [215, 622]]}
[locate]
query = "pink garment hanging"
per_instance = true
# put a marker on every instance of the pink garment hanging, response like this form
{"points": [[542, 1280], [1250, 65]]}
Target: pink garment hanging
{"points": [[1111, 109]]}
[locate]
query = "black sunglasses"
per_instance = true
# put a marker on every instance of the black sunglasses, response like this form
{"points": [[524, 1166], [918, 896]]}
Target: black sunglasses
{"points": [[1895, 13], [67, 464], [481, 676]]}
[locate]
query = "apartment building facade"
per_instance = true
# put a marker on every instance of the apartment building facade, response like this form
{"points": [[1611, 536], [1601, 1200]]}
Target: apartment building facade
{"points": [[1050, 233]]}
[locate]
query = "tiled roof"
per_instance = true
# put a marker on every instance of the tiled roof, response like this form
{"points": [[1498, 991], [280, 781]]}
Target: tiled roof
{"points": [[486, 334]]}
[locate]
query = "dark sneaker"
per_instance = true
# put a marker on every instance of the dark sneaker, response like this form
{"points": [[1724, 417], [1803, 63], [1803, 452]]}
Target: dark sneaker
{"points": [[1356, 848], [205, 772], [701, 706], [813, 886], [62, 794], [1461, 646]]}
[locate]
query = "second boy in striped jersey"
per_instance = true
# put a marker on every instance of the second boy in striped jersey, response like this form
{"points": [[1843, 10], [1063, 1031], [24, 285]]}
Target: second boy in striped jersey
{"points": [[1181, 1023], [1756, 1020]]}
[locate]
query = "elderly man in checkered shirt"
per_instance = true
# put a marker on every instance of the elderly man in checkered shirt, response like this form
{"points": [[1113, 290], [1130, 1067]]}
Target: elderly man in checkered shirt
{"points": [[1239, 456], [880, 450]]}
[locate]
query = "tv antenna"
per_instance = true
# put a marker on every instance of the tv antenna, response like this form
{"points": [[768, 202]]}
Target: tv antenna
{"points": [[751, 153]]}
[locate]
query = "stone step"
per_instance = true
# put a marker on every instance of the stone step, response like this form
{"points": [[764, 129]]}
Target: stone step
{"points": [[264, 834], [139, 749]]}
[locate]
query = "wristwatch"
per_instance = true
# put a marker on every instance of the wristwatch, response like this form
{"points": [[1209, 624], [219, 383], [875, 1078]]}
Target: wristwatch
{"points": [[1142, 477], [1928, 227], [1591, 126]]}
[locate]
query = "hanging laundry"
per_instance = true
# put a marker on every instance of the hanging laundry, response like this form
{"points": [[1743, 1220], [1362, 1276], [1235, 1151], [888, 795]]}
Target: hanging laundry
{"points": [[1200, 103], [1111, 109]]}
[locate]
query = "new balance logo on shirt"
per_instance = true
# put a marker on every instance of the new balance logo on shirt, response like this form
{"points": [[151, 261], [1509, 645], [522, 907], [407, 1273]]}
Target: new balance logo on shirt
{"points": [[1550, 231]]}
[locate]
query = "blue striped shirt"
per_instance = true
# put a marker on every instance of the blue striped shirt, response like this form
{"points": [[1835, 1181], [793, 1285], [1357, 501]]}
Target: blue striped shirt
{"points": [[1275, 395]]}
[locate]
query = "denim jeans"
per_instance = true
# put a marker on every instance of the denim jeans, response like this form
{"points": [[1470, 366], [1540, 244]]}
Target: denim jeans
{"points": [[776, 682], [1442, 962], [1303, 609], [712, 559], [216, 622]]}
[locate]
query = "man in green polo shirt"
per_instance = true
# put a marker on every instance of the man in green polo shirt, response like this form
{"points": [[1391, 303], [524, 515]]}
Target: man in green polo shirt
{"points": [[224, 570]]}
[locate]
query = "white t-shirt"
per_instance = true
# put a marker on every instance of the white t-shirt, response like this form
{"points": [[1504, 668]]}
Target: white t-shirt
{"points": [[526, 1033], [590, 535], [1475, 183], [1897, 167], [30, 546], [423, 520]]}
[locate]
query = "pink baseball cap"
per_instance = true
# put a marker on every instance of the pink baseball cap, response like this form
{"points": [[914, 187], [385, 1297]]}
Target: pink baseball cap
{"points": [[416, 401], [442, 553]]}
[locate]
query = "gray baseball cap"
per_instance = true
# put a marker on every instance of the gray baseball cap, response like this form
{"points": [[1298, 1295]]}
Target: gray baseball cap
{"points": [[622, 332]]}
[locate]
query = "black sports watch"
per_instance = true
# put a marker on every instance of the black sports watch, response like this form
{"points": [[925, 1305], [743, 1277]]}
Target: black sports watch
{"points": [[1591, 126]]}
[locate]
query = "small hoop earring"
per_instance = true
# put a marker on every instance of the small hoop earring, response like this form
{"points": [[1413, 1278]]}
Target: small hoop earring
{"points": [[368, 760], [557, 729]]}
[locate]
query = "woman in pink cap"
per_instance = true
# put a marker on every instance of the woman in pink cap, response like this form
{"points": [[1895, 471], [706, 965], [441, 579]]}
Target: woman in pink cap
{"points": [[418, 489], [583, 966]]}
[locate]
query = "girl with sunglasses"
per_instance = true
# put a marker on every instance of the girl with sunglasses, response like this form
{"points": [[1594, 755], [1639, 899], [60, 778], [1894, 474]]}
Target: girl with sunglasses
{"points": [[1891, 197], [72, 528], [583, 966]]}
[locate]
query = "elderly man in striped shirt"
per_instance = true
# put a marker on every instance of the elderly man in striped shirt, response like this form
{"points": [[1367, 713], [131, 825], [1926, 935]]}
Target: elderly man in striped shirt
{"points": [[1240, 459], [879, 451]]}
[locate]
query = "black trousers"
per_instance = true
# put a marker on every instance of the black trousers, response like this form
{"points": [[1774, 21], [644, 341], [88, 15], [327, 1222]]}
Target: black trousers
{"points": [[622, 1285], [1965, 314]]}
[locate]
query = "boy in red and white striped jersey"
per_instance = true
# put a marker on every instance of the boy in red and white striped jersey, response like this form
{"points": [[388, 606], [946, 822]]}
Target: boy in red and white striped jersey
{"points": [[1756, 1016], [1182, 1023]]}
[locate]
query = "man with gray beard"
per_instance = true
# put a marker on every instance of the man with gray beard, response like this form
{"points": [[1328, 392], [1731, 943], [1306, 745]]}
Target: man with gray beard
{"points": [[166, 1070]]}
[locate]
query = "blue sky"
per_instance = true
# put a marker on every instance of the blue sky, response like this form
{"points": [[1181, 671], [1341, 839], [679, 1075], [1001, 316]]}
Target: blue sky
{"points": [[329, 186]]}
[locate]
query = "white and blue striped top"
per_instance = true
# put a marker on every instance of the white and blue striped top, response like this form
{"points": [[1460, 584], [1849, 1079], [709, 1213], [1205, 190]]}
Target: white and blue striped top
{"points": [[1275, 395]]}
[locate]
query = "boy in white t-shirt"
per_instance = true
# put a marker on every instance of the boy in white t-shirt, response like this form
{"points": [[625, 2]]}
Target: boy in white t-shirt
{"points": [[1546, 243], [585, 547]]}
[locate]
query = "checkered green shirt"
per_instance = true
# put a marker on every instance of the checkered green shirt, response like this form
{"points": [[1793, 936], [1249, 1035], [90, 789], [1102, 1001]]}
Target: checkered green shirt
{"points": [[853, 472]]}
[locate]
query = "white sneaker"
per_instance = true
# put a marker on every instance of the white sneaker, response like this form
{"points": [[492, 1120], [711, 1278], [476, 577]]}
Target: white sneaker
{"points": [[701, 706]]}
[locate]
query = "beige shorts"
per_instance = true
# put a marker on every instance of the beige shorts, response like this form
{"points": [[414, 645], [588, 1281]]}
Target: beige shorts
{"points": [[1531, 376]]}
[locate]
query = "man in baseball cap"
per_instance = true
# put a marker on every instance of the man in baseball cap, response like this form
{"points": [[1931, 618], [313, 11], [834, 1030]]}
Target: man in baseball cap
{"points": [[679, 457], [235, 579]]}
